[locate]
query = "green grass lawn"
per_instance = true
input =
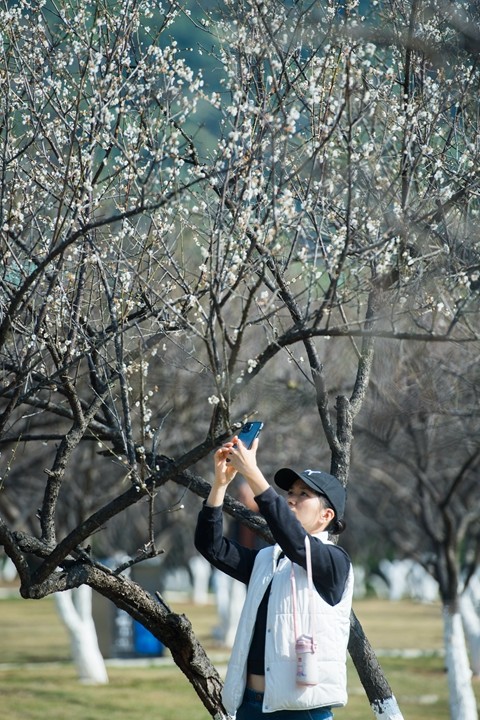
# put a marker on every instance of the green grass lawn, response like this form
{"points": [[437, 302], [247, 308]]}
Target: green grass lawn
{"points": [[38, 681]]}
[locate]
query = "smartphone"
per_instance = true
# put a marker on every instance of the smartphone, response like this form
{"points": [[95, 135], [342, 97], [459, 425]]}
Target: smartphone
{"points": [[249, 432]]}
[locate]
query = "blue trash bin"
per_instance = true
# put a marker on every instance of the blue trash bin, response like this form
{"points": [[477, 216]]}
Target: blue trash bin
{"points": [[145, 643]]}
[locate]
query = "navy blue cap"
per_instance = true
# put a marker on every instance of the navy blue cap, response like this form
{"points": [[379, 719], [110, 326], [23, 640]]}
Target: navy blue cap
{"points": [[319, 481]]}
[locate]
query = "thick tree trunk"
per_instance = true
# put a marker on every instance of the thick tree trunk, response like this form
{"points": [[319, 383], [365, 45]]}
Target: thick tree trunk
{"points": [[463, 705], [379, 693], [469, 602], [173, 630], [75, 609]]}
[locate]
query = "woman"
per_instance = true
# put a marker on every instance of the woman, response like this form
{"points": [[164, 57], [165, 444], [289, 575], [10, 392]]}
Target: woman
{"points": [[261, 677]]}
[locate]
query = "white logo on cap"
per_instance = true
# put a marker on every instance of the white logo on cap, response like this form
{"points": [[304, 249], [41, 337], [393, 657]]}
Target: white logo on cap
{"points": [[312, 472]]}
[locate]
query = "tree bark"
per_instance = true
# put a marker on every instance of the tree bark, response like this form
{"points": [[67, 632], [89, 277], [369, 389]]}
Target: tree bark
{"points": [[372, 677], [173, 630]]}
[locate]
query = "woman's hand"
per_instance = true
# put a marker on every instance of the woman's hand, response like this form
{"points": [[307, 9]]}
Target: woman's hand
{"points": [[224, 471], [240, 459], [244, 460], [224, 474]]}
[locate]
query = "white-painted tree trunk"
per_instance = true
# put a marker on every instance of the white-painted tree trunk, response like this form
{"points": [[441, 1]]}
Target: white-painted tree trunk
{"points": [[75, 610], [469, 605], [396, 572], [387, 710], [463, 705], [201, 571], [230, 597], [8, 571]]}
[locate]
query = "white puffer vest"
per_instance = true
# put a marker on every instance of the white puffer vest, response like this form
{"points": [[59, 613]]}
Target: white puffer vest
{"points": [[332, 627]]}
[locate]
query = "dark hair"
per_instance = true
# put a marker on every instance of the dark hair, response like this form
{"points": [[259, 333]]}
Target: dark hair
{"points": [[336, 526]]}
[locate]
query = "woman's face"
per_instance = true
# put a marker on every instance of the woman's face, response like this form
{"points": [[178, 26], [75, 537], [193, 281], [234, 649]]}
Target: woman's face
{"points": [[308, 507]]}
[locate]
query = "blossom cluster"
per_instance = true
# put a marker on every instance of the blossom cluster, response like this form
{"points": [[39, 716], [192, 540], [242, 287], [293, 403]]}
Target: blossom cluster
{"points": [[157, 189]]}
